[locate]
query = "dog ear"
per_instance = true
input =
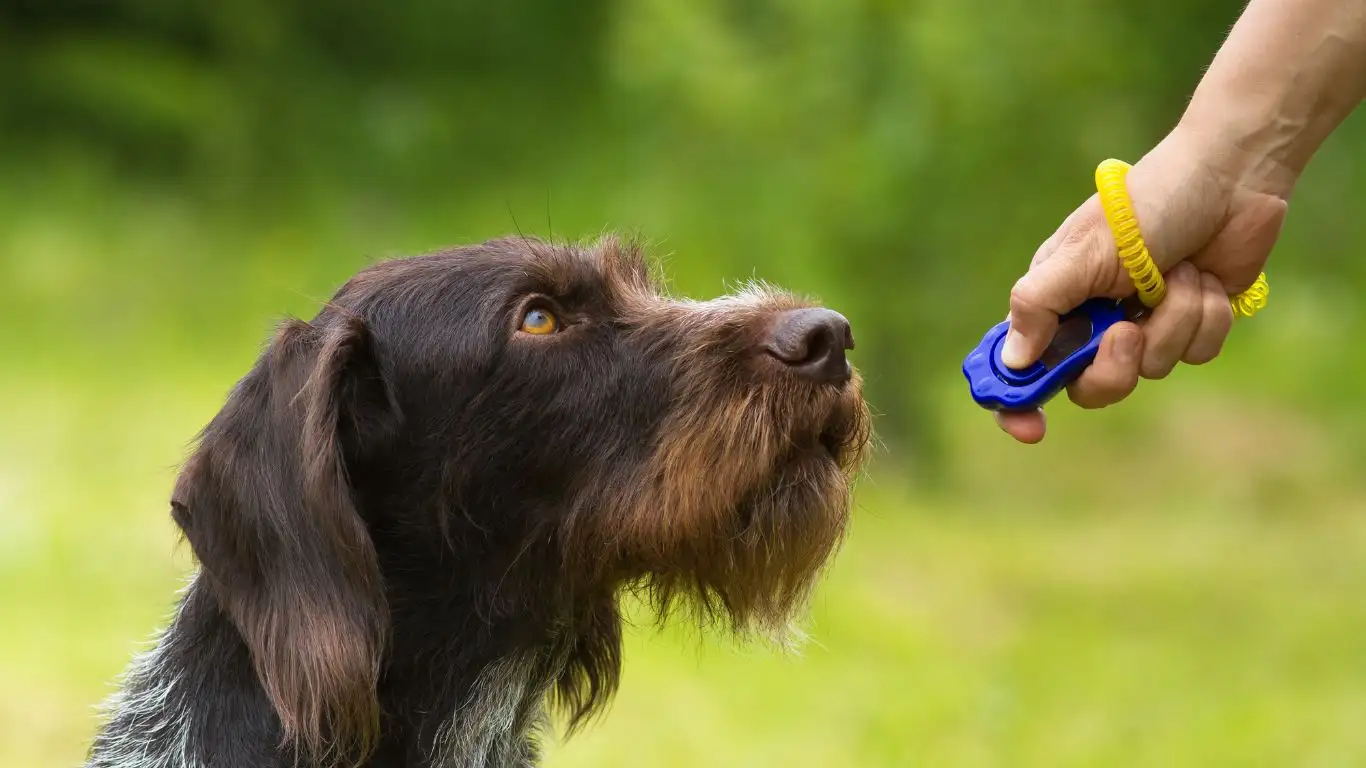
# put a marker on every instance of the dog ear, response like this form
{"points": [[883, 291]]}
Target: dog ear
{"points": [[267, 507]]}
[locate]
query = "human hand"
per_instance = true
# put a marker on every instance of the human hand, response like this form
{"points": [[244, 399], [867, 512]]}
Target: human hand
{"points": [[1208, 230]]}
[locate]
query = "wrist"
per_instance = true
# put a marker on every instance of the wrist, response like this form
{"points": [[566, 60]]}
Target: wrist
{"points": [[1249, 149], [1286, 77]]}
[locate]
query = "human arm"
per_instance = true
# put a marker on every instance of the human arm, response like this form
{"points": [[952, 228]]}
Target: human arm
{"points": [[1212, 193]]}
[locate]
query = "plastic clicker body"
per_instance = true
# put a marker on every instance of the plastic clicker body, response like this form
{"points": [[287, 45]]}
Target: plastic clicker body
{"points": [[998, 388]]}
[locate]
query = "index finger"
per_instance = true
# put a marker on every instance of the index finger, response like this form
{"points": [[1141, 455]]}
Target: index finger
{"points": [[1056, 284]]}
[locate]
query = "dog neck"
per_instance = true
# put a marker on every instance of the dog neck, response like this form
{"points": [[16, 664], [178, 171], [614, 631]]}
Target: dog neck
{"points": [[467, 695], [497, 723]]}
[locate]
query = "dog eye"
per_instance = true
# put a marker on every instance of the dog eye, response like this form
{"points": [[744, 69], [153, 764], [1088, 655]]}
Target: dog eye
{"points": [[539, 322]]}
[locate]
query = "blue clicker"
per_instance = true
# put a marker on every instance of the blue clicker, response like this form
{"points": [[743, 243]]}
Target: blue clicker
{"points": [[998, 388]]}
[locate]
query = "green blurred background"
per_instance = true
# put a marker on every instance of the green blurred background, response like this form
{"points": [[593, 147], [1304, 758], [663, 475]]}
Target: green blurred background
{"points": [[1177, 581]]}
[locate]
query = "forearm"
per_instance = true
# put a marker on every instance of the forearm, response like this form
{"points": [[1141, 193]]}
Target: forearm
{"points": [[1289, 73]]}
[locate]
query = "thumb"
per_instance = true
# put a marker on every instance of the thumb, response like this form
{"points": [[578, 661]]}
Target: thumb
{"points": [[1083, 266]]}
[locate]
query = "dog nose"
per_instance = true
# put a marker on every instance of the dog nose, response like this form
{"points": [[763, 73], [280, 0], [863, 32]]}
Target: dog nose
{"points": [[812, 343]]}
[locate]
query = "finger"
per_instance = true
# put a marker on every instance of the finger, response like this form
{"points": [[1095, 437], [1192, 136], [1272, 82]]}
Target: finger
{"points": [[1076, 271], [1114, 374], [1215, 322], [1050, 246], [1173, 323], [1025, 426]]}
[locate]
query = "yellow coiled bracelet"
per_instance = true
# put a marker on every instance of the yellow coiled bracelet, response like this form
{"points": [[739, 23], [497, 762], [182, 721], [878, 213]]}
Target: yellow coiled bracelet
{"points": [[1119, 213]]}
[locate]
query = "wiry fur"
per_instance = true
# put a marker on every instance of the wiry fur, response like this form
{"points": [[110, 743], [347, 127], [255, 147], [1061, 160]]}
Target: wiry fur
{"points": [[414, 522], [151, 714], [494, 723]]}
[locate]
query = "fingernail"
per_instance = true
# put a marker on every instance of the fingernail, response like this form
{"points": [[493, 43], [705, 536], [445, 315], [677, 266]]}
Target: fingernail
{"points": [[1128, 347], [1013, 352]]}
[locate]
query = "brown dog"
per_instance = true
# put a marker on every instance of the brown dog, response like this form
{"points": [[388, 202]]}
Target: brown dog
{"points": [[415, 515]]}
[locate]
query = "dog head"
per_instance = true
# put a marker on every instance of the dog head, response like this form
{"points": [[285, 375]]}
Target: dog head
{"points": [[549, 415]]}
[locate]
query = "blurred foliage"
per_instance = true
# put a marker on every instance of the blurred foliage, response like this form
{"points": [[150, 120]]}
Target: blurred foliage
{"points": [[889, 157], [176, 176]]}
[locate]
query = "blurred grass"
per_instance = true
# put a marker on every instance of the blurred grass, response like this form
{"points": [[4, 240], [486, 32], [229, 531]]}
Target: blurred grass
{"points": [[1176, 638]]}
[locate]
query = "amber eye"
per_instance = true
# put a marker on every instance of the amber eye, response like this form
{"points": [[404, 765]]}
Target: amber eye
{"points": [[539, 322]]}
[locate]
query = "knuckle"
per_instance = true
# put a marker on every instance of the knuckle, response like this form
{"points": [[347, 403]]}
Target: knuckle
{"points": [[1218, 309], [1158, 369], [1166, 345], [1077, 236], [1023, 298], [1093, 397], [1214, 331], [1102, 387], [1185, 291], [1086, 246], [1220, 317], [1159, 359], [1201, 355]]}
